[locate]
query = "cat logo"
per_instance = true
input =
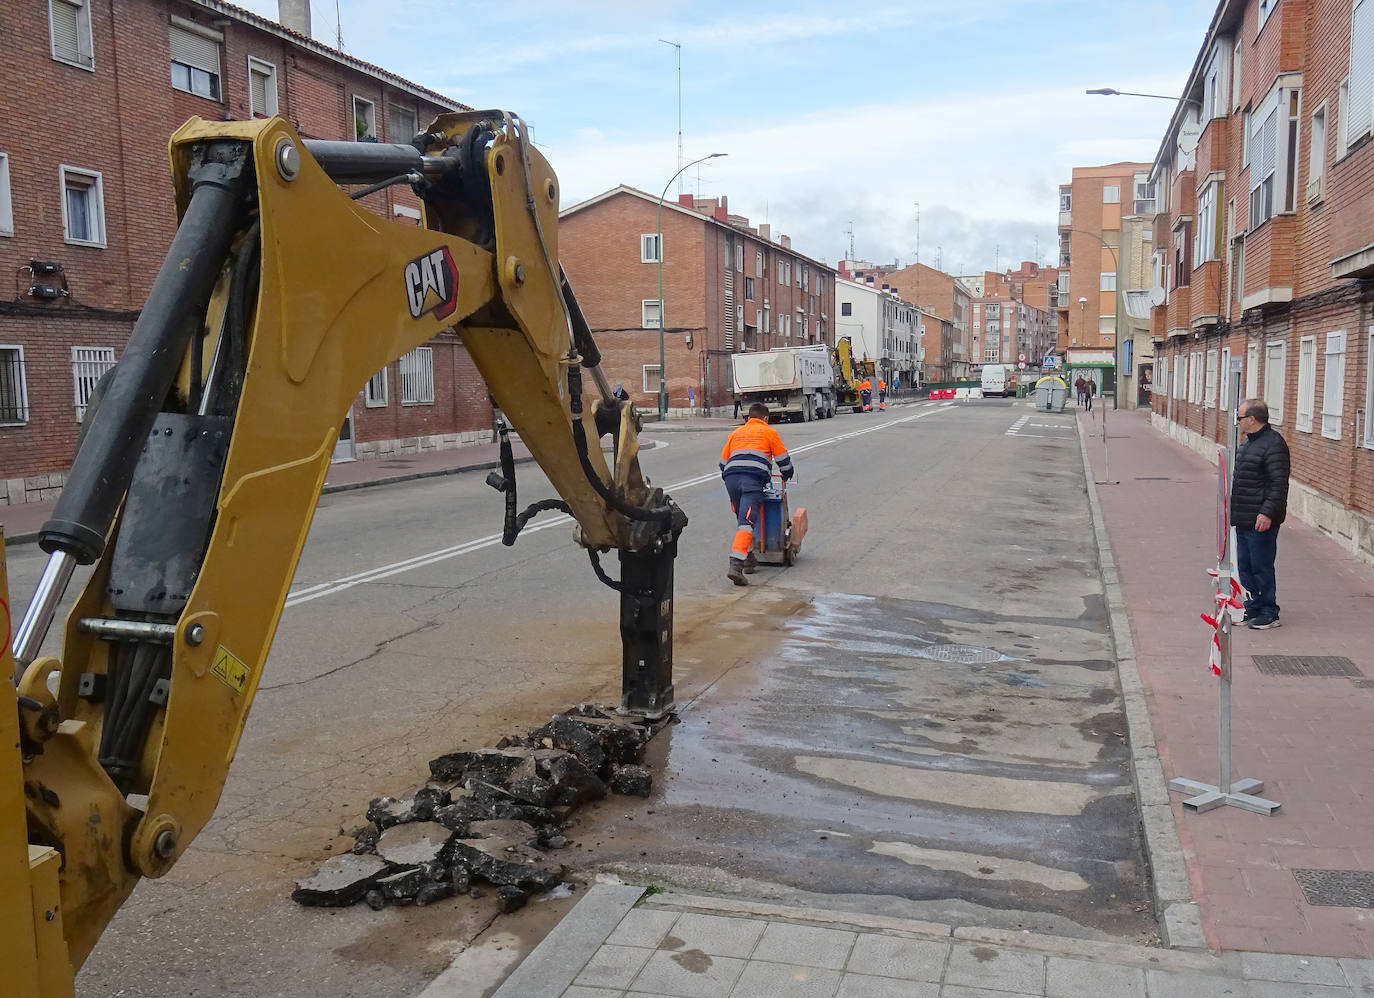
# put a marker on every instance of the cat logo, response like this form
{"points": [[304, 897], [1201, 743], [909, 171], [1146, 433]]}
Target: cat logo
{"points": [[432, 284]]}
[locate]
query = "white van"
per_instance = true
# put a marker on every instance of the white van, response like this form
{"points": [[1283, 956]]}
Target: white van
{"points": [[995, 380]]}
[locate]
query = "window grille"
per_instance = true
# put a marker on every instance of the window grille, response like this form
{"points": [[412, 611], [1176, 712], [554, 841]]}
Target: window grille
{"points": [[417, 377]]}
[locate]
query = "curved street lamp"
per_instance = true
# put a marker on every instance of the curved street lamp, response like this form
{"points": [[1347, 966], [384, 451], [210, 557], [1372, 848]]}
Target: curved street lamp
{"points": [[1111, 92], [662, 374]]}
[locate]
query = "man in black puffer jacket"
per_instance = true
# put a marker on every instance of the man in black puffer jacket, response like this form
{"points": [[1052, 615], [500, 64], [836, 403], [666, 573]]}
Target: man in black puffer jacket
{"points": [[1259, 503]]}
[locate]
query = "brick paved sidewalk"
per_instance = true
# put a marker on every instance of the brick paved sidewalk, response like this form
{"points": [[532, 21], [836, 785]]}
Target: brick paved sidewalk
{"points": [[1308, 738]]}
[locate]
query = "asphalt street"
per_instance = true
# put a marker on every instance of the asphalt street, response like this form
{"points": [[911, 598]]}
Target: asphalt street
{"points": [[920, 717]]}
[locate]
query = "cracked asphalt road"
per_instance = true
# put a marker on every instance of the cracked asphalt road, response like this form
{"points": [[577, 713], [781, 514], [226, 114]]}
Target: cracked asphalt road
{"points": [[937, 518]]}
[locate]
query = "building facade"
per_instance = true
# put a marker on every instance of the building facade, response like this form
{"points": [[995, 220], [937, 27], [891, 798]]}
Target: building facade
{"points": [[728, 287], [1265, 248], [93, 91], [941, 295], [882, 328], [1092, 207]]}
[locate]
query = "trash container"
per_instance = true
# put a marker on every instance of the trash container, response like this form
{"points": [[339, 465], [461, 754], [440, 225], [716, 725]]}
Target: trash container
{"points": [[1051, 394]]}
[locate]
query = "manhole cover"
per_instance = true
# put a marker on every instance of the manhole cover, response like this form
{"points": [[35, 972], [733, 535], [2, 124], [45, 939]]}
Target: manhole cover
{"points": [[963, 654], [1338, 888], [1306, 665]]}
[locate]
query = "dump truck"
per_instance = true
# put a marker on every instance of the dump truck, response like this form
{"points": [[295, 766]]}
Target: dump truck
{"points": [[793, 382]]}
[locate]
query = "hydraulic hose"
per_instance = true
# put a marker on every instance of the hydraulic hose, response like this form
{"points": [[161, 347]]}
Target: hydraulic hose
{"points": [[658, 514]]}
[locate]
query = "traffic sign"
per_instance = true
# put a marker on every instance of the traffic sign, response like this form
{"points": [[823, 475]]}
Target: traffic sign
{"points": [[1020, 356], [1020, 365]]}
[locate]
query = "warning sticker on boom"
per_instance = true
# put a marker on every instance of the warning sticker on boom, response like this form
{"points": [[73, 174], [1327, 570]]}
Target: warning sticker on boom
{"points": [[231, 672]]}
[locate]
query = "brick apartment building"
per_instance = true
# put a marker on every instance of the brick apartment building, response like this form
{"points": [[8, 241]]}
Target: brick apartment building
{"points": [[1265, 247], [1092, 207], [941, 295], [92, 91], [1005, 325], [728, 287]]}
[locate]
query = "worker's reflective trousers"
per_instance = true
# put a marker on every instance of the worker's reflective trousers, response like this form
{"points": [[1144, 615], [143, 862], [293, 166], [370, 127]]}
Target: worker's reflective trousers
{"points": [[746, 499]]}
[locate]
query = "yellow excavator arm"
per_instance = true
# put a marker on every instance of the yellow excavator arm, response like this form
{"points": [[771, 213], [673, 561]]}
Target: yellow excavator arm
{"points": [[203, 459]]}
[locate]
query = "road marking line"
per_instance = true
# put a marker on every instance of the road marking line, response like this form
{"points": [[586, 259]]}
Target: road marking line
{"points": [[1016, 426], [320, 589]]}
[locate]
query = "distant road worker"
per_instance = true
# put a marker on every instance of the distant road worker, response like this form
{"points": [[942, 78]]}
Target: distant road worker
{"points": [[746, 465], [866, 394], [882, 394]]}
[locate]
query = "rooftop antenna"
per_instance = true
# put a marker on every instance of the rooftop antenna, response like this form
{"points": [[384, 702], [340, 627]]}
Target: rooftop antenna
{"points": [[918, 232], [850, 230], [338, 25], [998, 258], [678, 47], [939, 256], [1036, 258]]}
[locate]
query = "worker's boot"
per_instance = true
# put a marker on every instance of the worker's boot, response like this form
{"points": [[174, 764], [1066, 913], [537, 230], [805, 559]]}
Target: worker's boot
{"points": [[736, 573], [751, 564]]}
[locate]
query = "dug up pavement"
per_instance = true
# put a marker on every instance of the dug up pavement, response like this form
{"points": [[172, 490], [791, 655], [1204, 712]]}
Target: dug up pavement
{"points": [[1248, 904]]}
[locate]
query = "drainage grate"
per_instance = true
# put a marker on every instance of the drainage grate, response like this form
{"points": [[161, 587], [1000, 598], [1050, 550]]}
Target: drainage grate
{"points": [[1306, 665], [1363, 684], [963, 654], [1151, 478], [1337, 888]]}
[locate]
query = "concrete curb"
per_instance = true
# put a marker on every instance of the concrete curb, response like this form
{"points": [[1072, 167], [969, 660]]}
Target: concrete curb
{"points": [[1179, 919]]}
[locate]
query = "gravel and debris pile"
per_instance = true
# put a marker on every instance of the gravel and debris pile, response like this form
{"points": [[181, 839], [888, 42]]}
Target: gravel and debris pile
{"points": [[490, 815]]}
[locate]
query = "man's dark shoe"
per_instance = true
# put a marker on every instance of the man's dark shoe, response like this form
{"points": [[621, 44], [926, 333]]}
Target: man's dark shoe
{"points": [[736, 573], [1247, 618], [1264, 623], [751, 564]]}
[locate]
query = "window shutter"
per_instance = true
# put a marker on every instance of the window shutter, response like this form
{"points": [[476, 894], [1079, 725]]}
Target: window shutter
{"points": [[257, 91], [1265, 155], [1361, 102], [65, 31], [191, 49], [1333, 386]]}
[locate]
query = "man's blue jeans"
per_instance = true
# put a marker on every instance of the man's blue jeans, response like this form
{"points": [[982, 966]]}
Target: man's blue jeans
{"points": [[1255, 552]]}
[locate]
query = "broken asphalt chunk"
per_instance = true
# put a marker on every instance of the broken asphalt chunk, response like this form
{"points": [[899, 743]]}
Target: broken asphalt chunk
{"points": [[491, 765], [565, 733], [511, 899], [633, 780], [415, 844], [575, 782], [339, 881], [504, 862]]}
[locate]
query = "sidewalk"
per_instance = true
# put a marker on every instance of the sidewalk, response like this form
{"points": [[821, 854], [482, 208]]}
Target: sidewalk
{"points": [[1306, 736]]}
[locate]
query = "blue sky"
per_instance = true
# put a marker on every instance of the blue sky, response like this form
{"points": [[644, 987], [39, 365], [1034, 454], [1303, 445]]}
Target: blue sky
{"points": [[830, 114]]}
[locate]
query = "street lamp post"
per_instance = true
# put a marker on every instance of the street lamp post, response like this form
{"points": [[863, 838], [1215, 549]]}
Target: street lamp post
{"points": [[662, 373], [1110, 92]]}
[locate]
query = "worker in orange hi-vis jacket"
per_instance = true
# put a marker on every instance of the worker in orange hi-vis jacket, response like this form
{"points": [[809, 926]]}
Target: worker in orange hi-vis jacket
{"points": [[866, 394], [746, 465], [882, 394]]}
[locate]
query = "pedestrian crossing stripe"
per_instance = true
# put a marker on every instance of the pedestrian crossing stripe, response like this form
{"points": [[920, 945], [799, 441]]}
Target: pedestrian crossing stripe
{"points": [[230, 670]]}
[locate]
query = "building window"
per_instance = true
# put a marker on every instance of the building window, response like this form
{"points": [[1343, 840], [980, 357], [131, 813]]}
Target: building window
{"points": [[1266, 7], [1065, 199], [89, 365], [748, 289], [758, 263], [1111, 194], [1251, 370], [1144, 197], [6, 204], [650, 313], [83, 206], [195, 59], [1333, 385], [1225, 373], [1162, 375], [1214, 102], [262, 88], [1275, 360], [1207, 240], [649, 248], [846, 308], [1183, 254], [729, 250], [1359, 88], [14, 400], [1195, 389], [651, 378], [1209, 398], [1316, 156], [417, 377], [1368, 391], [1307, 382], [69, 26], [1181, 377], [364, 120], [374, 392], [1273, 151], [400, 124], [739, 258], [1106, 282]]}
